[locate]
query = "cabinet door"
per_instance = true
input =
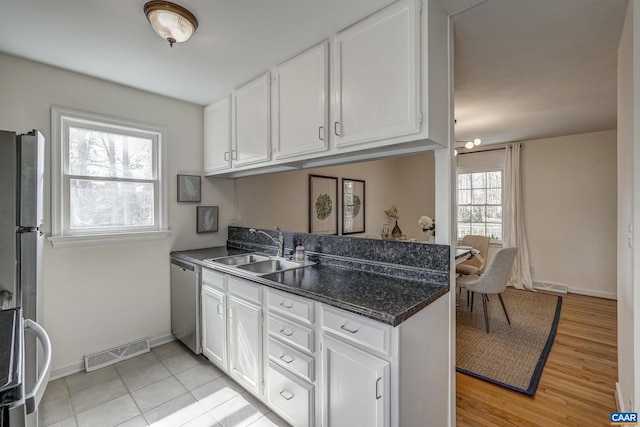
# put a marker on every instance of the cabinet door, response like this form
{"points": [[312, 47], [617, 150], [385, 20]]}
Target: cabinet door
{"points": [[245, 343], [217, 136], [214, 326], [356, 387], [300, 106], [375, 82], [251, 127]]}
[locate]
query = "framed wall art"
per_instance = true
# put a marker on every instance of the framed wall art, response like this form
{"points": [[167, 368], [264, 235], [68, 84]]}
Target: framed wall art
{"points": [[352, 206], [323, 204], [206, 219], [189, 188]]}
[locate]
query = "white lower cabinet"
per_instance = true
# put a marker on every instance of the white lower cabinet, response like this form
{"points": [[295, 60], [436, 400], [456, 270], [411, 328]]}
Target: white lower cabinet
{"points": [[214, 325], [245, 343], [316, 365], [291, 397], [356, 386]]}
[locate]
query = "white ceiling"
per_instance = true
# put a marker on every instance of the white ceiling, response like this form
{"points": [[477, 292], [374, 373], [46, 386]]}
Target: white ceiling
{"points": [[524, 68]]}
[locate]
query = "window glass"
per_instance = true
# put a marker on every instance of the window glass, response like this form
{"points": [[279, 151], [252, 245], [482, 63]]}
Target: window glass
{"points": [[480, 204]]}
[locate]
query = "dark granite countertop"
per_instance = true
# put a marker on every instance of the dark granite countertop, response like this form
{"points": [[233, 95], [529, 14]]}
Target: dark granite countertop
{"points": [[387, 299]]}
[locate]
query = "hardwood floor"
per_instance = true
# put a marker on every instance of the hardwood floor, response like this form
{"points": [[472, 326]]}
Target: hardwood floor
{"points": [[577, 384]]}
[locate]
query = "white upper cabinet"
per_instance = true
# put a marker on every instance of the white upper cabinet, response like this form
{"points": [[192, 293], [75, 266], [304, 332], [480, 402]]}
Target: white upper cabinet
{"points": [[300, 107], [379, 89], [251, 122], [217, 136], [375, 81]]}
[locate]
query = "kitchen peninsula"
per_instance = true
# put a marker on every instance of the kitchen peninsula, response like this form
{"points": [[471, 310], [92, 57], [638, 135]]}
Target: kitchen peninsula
{"points": [[354, 337]]}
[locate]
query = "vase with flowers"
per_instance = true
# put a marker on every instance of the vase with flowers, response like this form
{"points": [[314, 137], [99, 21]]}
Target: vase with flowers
{"points": [[392, 214], [428, 226]]}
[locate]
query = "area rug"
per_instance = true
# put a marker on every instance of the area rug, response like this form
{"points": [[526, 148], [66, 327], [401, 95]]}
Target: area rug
{"points": [[509, 356]]}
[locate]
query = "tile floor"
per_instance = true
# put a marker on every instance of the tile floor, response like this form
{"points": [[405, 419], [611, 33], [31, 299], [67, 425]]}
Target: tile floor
{"points": [[169, 386]]}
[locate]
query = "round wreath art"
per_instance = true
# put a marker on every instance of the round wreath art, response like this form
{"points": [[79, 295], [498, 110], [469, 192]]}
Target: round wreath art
{"points": [[324, 206]]}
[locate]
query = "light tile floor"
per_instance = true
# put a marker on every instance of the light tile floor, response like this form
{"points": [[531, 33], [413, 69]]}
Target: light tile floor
{"points": [[169, 386]]}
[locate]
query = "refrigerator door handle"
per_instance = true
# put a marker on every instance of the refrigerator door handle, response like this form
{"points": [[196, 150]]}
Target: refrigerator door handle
{"points": [[32, 399]]}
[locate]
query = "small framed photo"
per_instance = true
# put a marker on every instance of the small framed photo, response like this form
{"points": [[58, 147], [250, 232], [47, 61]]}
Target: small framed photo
{"points": [[206, 219], [323, 204], [352, 206], [189, 188]]}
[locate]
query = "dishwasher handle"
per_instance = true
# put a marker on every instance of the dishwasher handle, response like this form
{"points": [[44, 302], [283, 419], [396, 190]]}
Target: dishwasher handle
{"points": [[32, 399], [183, 265]]}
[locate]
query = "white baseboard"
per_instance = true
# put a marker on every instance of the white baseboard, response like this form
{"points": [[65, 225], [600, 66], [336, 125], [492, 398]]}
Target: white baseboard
{"points": [[155, 342], [66, 370], [618, 397], [591, 293], [79, 366]]}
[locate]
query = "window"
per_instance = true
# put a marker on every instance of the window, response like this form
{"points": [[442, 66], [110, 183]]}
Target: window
{"points": [[480, 204], [107, 178]]}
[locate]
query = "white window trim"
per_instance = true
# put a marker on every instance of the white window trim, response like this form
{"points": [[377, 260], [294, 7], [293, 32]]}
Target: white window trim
{"points": [[480, 170], [58, 237]]}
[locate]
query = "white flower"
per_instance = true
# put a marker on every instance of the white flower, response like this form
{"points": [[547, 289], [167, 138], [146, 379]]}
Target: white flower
{"points": [[426, 223]]}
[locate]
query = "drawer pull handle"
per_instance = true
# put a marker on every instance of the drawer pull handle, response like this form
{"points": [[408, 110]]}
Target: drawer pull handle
{"points": [[220, 310], [226, 156], [320, 129], [290, 305], [335, 128], [346, 328], [284, 331], [378, 396], [286, 394], [287, 358]]}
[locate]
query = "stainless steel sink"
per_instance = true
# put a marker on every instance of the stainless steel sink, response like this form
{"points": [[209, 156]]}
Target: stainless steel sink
{"points": [[273, 265], [239, 259]]}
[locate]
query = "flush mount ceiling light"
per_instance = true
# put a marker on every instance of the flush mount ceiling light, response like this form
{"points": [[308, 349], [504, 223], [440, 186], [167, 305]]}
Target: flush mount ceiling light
{"points": [[173, 23]]}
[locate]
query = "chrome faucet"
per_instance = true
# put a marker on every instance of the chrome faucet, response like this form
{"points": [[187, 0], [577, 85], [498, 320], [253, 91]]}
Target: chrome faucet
{"points": [[279, 241]]}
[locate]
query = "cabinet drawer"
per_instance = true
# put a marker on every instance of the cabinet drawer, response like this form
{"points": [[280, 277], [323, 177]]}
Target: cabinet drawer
{"points": [[244, 289], [291, 332], [363, 331], [290, 359], [291, 397], [213, 278], [296, 307]]}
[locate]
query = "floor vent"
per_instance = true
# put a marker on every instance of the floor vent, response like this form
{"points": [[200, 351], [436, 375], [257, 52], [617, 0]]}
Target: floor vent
{"points": [[549, 286], [118, 354]]}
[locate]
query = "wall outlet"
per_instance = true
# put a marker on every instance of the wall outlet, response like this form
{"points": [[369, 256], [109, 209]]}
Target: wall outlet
{"points": [[235, 222]]}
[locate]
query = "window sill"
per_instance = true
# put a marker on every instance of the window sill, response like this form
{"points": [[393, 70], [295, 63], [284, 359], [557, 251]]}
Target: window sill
{"points": [[107, 239]]}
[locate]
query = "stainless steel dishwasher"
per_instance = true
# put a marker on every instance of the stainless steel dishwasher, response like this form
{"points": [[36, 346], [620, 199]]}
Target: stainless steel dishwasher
{"points": [[185, 303]]}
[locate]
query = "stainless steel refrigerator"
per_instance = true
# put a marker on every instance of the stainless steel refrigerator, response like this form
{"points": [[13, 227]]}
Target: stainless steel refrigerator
{"points": [[21, 215]]}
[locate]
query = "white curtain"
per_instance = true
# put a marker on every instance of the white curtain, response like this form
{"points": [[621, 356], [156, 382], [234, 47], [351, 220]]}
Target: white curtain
{"points": [[514, 230]]}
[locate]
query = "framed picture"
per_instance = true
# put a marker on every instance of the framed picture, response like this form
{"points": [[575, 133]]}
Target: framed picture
{"points": [[323, 204], [206, 219], [352, 206], [188, 188]]}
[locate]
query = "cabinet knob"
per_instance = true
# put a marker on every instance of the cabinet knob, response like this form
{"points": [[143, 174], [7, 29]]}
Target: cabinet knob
{"points": [[348, 329], [285, 305], [286, 394], [287, 358], [286, 332]]}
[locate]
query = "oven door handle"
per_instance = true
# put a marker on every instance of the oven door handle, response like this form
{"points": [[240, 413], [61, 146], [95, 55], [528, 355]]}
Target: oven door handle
{"points": [[32, 399]]}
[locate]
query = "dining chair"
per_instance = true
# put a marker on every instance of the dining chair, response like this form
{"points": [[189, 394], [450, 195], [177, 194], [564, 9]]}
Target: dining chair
{"points": [[475, 264], [493, 281]]}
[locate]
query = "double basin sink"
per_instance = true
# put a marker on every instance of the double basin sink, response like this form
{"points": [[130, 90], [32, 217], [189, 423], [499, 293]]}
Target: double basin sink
{"points": [[259, 264]]}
